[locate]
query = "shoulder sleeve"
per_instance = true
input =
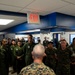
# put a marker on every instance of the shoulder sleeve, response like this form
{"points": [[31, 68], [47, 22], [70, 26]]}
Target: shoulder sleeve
{"points": [[70, 49], [22, 71], [24, 47], [51, 72]]}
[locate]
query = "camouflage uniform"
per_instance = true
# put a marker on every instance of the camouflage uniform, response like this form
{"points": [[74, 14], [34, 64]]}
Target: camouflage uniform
{"points": [[10, 53], [19, 61], [37, 69], [12, 47], [45, 43], [63, 65], [27, 50], [72, 48], [50, 58], [13, 56], [4, 58]]}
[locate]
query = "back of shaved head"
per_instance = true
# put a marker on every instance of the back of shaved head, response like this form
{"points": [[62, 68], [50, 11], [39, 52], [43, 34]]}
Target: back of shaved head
{"points": [[38, 50]]}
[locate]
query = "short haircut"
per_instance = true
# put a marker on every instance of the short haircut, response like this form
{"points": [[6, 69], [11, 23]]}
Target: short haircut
{"points": [[73, 38], [30, 35], [19, 41], [50, 42], [13, 40], [4, 39], [62, 40], [38, 50]]}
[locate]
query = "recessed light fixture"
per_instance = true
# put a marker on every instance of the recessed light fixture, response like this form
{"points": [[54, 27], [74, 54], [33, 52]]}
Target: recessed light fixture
{"points": [[35, 30], [5, 21]]}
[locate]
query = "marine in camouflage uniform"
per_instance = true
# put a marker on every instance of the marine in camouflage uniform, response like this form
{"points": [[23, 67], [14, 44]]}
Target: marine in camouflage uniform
{"points": [[28, 47], [63, 57], [50, 59], [13, 52], [9, 50], [45, 42], [37, 69], [72, 48], [19, 56], [4, 58], [12, 47]]}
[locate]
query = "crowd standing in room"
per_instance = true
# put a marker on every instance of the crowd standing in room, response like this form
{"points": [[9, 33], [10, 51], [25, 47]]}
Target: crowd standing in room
{"points": [[17, 54]]}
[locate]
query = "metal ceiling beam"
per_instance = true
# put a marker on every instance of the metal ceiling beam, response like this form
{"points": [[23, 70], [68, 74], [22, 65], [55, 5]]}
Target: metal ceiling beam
{"points": [[11, 13]]}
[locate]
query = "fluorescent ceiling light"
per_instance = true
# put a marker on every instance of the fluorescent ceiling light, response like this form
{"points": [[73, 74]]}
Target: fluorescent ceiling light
{"points": [[35, 30], [5, 21], [3, 32]]}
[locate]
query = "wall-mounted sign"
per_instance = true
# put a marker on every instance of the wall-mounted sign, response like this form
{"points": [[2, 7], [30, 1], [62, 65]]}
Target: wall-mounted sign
{"points": [[33, 18]]}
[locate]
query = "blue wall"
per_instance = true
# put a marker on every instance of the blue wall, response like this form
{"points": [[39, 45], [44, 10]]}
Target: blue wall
{"points": [[57, 29], [54, 22], [45, 22], [65, 20]]}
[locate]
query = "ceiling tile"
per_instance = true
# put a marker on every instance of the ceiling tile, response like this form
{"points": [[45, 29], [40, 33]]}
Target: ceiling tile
{"points": [[18, 3], [70, 9], [70, 1], [29, 10], [12, 17], [46, 5], [9, 8], [17, 20]]}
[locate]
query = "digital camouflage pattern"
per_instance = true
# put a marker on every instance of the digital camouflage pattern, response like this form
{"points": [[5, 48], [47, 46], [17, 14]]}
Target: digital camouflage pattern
{"points": [[72, 48], [37, 69], [63, 65], [50, 59]]}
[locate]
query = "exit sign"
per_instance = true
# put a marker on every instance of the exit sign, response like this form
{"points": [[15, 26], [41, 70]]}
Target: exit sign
{"points": [[33, 18]]}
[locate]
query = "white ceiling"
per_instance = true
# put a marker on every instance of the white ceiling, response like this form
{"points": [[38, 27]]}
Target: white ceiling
{"points": [[17, 20], [42, 7]]}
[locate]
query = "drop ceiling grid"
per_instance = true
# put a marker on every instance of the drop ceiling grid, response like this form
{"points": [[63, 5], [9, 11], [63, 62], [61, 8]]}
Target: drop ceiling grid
{"points": [[16, 3], [70, 1], [9, 8], [45, 5], [70, 9]]}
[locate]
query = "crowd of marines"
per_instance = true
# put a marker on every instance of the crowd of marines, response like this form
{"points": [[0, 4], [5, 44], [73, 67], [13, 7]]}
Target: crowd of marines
{"points": [[17, 53]]}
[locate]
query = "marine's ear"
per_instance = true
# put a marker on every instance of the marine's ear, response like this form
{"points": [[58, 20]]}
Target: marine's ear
{"points": [[44, 54]]}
